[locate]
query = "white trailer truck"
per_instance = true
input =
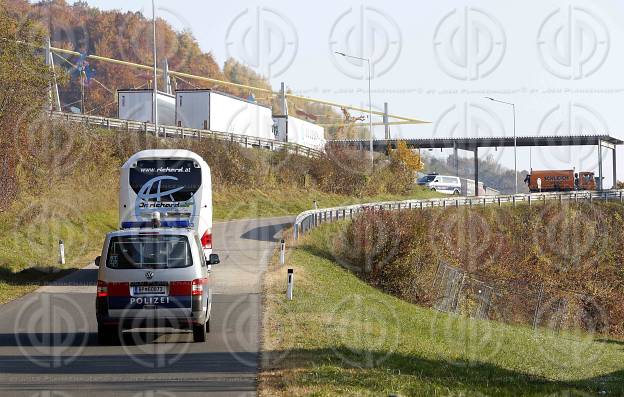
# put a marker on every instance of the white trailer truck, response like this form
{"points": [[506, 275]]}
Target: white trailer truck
{"points": [[468, 187], [216, 111], [137, 105], [302, 132]]}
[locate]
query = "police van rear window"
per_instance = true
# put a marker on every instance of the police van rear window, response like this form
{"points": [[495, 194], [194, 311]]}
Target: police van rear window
{"points": [[149, 252]]}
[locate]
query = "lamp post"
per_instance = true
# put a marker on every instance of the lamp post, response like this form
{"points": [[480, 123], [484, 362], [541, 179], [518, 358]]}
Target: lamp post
{"points": [[370, 105], [155, 96], [513, 106]]}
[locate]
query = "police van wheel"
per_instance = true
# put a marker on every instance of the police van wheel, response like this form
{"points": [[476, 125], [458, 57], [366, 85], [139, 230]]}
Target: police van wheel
{"points": [[107, 334], [208, 326], [199, 332]]}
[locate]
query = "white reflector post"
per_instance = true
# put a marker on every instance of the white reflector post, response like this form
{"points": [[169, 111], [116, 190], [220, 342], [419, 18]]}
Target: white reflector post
{"points": [[282, 252], [291, 282], [61, 252]]}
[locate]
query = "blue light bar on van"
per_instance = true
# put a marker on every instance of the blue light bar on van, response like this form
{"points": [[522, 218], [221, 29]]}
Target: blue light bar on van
{"points": [[146, 224]]}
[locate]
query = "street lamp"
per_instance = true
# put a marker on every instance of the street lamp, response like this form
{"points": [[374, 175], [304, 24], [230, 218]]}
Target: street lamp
{"points": [[155, 96], [370, 106], [513, 106]]}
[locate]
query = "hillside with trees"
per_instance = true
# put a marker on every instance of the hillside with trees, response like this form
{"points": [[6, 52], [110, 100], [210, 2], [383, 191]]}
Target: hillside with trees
{"points": [[113, 34], [60, 179], [128, 36], [23, 88]]}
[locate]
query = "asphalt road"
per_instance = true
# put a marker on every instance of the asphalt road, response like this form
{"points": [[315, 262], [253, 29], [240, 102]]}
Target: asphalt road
{"points": [[48, 340]]}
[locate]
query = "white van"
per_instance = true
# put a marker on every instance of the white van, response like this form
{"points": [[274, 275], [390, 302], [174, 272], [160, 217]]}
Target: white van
{"points": [[153, 277], [441, 183], [175, 183]]}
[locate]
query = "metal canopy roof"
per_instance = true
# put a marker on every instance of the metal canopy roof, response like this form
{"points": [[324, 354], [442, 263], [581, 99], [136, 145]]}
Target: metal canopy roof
{"points": [[472, 143]]}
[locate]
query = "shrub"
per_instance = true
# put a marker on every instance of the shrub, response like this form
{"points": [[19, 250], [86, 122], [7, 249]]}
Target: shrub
{"points": [[569, 256]]}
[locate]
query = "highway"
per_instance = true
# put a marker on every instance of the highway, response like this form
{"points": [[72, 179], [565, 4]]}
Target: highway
{"points": [[48, 340]]}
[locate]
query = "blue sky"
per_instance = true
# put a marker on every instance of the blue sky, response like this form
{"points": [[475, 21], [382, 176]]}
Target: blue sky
{"points": [[556, 60]]}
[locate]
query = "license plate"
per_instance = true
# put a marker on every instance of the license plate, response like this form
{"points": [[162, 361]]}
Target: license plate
{"points": [[150, 290]]}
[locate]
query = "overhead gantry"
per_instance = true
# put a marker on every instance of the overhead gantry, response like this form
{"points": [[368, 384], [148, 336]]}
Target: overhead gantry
{"points": [[473, 144]]}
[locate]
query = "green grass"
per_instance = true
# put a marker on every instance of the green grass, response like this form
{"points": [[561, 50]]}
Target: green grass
{"points": [[340, 336], [35, 244], [30, 231], [29, 234], [29, 246], [246, 204]]}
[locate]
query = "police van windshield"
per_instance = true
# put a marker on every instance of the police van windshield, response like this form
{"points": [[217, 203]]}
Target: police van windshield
{"points": [[149, 252]]}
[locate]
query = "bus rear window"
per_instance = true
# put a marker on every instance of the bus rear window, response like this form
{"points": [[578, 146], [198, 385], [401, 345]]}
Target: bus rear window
{"points": [[149, 252], [166, 180]]}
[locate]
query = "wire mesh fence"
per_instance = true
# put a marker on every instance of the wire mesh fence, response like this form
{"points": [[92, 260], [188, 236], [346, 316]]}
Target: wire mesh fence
{"points": [[457, 291]]}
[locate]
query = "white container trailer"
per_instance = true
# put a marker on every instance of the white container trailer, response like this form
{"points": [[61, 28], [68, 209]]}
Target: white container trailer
{"points": [[294, 130], [137, 105], [468, 187], [193, 109], [216, 111]]}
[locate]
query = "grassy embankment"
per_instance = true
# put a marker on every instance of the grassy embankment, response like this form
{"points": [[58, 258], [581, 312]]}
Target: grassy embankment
{"points": [[244, 204], [67, 179], [30, 230], [340, 336], [29, 233]]}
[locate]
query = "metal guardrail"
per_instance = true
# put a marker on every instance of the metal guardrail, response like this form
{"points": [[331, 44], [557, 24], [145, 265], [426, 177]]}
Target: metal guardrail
{"points": [[307, 220], [166, 131]]}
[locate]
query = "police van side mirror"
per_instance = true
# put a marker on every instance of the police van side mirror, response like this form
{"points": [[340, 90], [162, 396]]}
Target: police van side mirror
{"points": [[213, 259], [97, 261]]}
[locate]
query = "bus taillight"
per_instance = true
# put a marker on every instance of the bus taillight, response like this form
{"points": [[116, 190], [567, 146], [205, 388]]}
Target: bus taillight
{"points": [[206, 239]]}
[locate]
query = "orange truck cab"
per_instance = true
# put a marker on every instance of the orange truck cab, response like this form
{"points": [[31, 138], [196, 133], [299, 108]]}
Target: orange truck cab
{"points": [[560, 181], [586, 181]]}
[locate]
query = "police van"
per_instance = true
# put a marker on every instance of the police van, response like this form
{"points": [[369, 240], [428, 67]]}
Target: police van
{"points": [[155, 270], [441, 183]]}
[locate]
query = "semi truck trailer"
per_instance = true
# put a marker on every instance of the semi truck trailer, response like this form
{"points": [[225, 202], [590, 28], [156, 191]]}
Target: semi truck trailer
{"points": [[302, 132], [220, 112], [137, 105]]}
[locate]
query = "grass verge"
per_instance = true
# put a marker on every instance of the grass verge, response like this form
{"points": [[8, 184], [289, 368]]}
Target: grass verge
{"points": [[30, 231], [29, 251], [245, 204], [340, 336]]}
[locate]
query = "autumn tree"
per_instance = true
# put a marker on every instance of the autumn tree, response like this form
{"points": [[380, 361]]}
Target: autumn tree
{"points": [[238, 73], [407, 156], [126, 36], [24, 80]]}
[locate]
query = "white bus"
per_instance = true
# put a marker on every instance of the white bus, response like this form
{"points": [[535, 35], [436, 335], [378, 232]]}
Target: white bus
{"points": [[174, 183]]}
